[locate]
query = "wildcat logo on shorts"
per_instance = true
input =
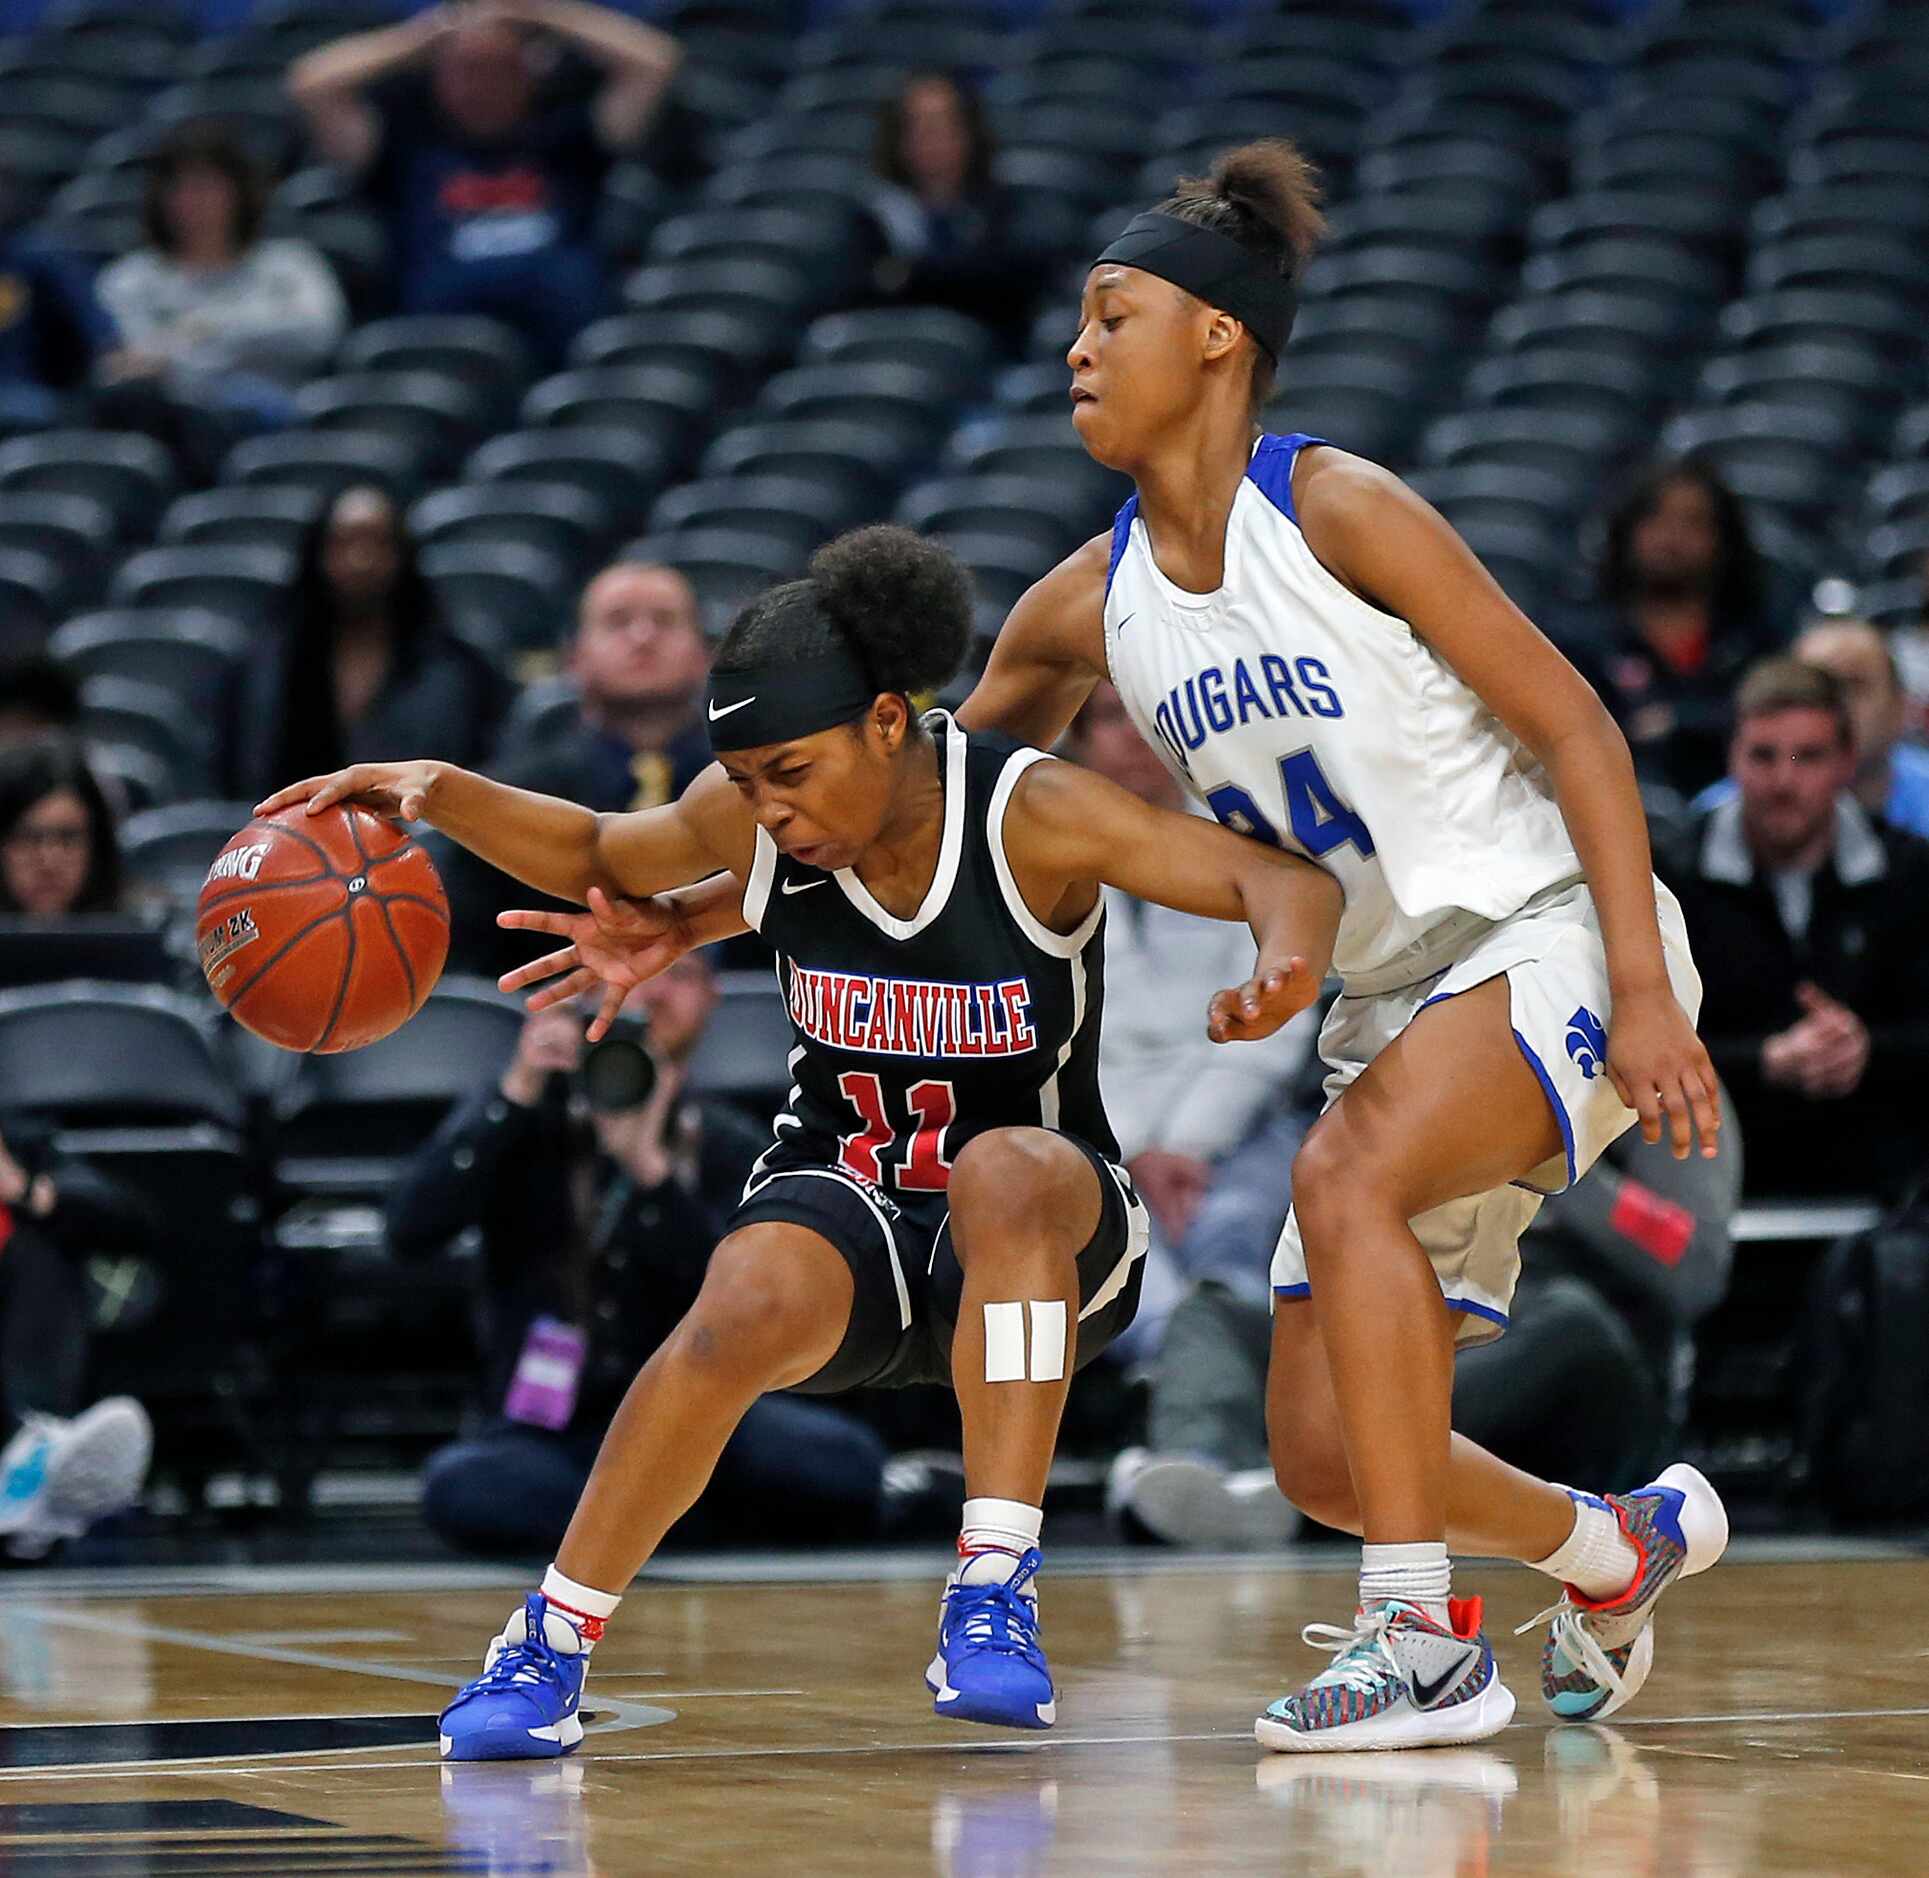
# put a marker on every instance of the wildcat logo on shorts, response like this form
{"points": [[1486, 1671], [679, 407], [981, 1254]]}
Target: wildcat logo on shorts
{"points": [[1587, 1042], [238, 863]]}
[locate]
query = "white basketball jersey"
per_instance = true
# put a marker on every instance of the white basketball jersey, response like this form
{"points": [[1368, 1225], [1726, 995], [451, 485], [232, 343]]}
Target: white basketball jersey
{"points": [[1313, 721]]}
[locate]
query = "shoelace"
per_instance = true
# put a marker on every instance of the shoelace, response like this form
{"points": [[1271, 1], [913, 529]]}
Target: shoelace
{"points": [[1361, 1654], [996, 1617], [1573, 1636], [529, 1661]]}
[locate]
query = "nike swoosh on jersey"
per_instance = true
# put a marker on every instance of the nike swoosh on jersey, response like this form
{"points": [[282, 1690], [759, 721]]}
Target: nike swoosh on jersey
{"points": [[799, 886], [716, 714], [1425, 1694]]}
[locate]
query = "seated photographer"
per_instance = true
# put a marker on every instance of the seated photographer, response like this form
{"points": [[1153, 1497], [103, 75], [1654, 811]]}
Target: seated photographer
{"points": [[600, 1185]]}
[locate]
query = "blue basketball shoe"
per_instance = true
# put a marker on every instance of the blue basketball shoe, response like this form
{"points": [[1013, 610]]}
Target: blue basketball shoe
{"points": [[1599, 1650], [989, 1667], [523, 1707]]}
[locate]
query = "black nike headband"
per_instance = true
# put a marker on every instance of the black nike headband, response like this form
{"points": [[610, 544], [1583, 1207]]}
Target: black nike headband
{"points": [[1214, 268], [756, 705]]}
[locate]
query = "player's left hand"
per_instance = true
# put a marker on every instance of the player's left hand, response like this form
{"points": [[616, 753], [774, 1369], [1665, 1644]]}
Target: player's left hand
{"points": [[1261, 1005], [1661, 1070], [614, 947]]}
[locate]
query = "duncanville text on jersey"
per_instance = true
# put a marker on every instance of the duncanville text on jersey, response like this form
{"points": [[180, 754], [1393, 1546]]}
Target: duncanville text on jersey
{"points": [[911, 1016]]}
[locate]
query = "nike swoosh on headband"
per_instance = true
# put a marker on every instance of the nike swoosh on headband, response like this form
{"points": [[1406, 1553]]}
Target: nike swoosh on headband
{"points": [[741, 703]]}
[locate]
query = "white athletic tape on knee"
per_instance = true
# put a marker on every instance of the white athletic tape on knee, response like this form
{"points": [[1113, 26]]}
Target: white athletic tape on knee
{"points": [[1047, 1339], [1005, 1341]]}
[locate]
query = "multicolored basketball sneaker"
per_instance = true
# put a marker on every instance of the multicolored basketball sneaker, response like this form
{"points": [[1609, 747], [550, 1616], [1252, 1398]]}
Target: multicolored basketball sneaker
{"points": [[1599, 1650], [989, 1667], [523, 1707], [1397, 1680]]}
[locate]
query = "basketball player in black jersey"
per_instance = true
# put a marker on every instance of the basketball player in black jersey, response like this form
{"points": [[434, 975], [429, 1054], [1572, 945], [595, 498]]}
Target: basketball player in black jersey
{"points": [[942, 1198]]}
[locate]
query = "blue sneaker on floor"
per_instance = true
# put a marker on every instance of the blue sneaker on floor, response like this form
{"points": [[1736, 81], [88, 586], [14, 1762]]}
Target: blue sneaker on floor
{"points": [[989, 1667], [524, 1705]]}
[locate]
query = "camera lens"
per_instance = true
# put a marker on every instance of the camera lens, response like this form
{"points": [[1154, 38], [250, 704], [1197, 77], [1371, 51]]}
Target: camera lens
{"points": [[616, 1074]]}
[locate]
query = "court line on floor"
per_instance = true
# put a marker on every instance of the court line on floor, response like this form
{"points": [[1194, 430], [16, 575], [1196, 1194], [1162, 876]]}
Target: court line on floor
{"points": [[240, 1765]]}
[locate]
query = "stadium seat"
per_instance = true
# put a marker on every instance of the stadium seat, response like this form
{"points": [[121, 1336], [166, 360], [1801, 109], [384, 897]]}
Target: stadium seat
{"points": [[715, 343], [673, 402], [133, 778], [437, 417], [1523, 435], [1632, 324], [1657, 266], [1880, 262], [256, 111], [1003, 562], [799, 512], [32, 589], [1530, 493], [1563, 378], [900, 405], [841, 454], [321, 463], [1053, 514], [620, 470], [948, 344], [248, 584], [75, 532], [1848, 382], [1899, 493], [1857, 316], [166, 852], [344, 1124], [540, 709], [754, 288], [481, 353], [505, 596], [126, 712], [1898, 550], [132, 476], [266, 515], [726, 566], [558, 519], [1434, 163], [191, 655]]}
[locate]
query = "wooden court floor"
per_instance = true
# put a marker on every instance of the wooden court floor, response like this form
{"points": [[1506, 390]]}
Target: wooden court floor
{"points": [[759, 1719]]}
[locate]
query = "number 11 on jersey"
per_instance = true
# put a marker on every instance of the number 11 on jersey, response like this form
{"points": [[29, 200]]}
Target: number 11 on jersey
{"points": [[1319, 820], [926, 1167]]}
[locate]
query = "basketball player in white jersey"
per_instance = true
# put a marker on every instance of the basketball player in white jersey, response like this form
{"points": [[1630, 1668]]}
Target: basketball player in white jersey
{"points": [[1315, 652]]}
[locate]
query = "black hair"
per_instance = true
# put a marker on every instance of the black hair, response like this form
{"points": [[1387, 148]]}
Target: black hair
{"points": [[29, 774], [215, 147], [309, 740], [901, 603], [36, 686], [887, 145], [1264, 195], [1735, 593]]}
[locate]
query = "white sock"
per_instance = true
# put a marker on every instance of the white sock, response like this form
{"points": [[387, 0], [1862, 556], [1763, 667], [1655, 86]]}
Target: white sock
{"points": [[996, 1535], [1420, 1575], [578, 1609], [1597, 1558]]}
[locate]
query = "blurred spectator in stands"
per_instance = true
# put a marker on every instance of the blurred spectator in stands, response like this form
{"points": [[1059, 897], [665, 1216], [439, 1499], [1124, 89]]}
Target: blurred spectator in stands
{"points": [[215, 324], [58, 851], [490, 189], [1891, 776], [596, 1226], [636, 739], [1590, 1381], [944, 225], [38, 698], [1682, 600], [51, 324], [1809, 915], [60, 1469], [364, 670], [1909, 642]]}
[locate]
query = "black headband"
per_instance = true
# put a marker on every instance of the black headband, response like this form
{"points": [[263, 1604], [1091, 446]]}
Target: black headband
{"points": [[756, 705], [1215, 268]]}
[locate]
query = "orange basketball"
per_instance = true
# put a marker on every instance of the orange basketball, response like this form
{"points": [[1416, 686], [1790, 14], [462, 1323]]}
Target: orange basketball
{"points": [[322, 932]]}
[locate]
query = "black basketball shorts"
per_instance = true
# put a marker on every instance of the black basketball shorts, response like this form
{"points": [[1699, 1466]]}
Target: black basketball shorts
{"points": [[907, 1277]]}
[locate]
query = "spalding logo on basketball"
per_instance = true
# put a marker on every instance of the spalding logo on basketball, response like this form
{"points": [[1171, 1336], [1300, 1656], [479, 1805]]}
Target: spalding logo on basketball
{"points": [[322, 932]]}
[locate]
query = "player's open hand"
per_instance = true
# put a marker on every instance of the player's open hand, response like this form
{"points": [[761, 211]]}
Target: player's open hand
{"points": [[1261, 1005], [614, 947], [1660, 1069], [399, 791]]}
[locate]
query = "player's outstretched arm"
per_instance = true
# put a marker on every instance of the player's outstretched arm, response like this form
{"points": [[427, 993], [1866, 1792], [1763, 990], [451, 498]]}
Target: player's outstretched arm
{"points": [[557, 847], [1048, 655], [1379, 538], [1068, 827]]}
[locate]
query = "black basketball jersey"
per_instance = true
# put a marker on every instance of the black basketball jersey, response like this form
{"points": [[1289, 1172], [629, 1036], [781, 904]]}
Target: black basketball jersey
{"points": [[913, 1035]]}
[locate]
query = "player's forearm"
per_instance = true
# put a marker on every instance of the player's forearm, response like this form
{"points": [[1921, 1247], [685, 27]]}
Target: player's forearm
{"points": [[542, 841], [709, 912], [349, 64], [1593, 778]]}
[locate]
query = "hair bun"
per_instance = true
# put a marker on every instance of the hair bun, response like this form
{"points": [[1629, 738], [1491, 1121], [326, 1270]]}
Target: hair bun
{"points": [[903, 601]]}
